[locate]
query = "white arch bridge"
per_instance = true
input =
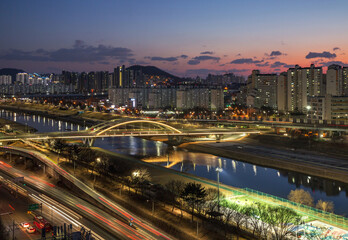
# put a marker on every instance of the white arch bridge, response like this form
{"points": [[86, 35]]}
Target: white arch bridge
{"points": [[126, 128]]}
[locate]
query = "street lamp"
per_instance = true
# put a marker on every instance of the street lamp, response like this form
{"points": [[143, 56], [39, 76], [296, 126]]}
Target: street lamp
{"points": [[218, 171], [98, 159], [135, 174]]}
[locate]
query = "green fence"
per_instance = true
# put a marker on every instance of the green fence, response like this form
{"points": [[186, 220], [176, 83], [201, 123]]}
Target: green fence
{"points": [[330, 218]]}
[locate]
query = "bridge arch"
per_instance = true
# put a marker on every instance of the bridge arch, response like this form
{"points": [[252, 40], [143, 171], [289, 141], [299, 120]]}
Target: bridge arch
{"points": [[109, 127]]}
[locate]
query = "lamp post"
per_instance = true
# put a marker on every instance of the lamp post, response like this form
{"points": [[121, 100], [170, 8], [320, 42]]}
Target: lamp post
{"points": [[218, 171], [95, 175]]}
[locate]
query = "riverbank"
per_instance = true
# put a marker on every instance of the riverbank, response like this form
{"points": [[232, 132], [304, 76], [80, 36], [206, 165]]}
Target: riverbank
{"points": [[289, 165], [9, 127], [72, 116], [161, 175]]}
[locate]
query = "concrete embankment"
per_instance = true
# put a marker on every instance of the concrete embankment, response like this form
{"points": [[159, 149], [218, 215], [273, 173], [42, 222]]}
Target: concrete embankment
{"points": [[67, 117], [15, 126], [301, 167]]}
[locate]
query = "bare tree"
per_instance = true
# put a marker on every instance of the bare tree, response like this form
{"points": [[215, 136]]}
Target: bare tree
{"points": [[175, 187], [238, 216], [212, 194], [140, 177], [257, 215], [3, 233], [127, 180], [282, 220], [326, 206], [228, 215], [301, 196]]}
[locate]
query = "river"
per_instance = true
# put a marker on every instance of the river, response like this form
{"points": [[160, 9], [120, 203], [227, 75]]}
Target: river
{"points": [[235, 173]]}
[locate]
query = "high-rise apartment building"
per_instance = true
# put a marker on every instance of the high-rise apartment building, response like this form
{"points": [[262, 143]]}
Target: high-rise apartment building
{"points": [[334, 80], [282, 96], [263, 89], [328, 108], [303, 83], [345, 80], [22, 77], [121, 77], [5, 79], [162, 97]]}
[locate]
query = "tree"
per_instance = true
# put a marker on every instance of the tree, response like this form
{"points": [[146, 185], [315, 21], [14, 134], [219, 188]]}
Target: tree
{"points": [[175, 187], [87, 155], [3, 232], [301, 196], [257, 215], [238, 216], [228, 215], [326, 206], [282, 220], [140, 177], [212, 194], [103, 165], [59, 145], [193, 194]]}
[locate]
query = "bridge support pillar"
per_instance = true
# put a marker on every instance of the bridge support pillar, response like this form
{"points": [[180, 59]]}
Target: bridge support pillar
{"points": [[89, 141], [175, 140], [218, 137]]}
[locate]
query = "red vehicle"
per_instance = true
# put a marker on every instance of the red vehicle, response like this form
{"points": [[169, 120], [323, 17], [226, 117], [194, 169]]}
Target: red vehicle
{"points": [[41, 223]]}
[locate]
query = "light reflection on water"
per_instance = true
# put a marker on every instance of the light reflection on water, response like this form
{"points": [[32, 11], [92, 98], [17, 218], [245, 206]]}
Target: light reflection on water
{"points": [[235, 173], [268, 180]]}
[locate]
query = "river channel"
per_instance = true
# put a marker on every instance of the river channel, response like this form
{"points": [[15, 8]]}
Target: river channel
{"points": [[235, 173]]}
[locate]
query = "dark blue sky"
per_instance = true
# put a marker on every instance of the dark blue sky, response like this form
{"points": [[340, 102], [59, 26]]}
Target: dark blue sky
{"points": [[184, 37]]}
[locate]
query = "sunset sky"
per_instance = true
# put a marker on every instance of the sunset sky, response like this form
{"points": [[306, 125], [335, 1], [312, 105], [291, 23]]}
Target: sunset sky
{"points": [[185, 38]]}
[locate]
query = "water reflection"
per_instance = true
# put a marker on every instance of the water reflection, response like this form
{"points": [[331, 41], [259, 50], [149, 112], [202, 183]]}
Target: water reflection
{"points": [[268, 180]]}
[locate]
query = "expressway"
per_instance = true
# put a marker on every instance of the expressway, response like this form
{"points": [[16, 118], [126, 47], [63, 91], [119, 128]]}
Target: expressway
{"points": [[116, 226], [55, 213]]}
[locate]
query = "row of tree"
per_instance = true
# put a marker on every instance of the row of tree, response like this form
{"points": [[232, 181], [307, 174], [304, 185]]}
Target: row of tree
{"points": [[303, 197], [264, 221], [86, 157]]}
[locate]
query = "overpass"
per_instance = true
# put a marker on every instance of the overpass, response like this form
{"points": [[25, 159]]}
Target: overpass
{"points": [[126, 128]]}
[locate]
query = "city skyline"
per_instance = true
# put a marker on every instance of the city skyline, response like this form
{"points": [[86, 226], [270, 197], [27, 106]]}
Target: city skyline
{"points": [[185, 39]]}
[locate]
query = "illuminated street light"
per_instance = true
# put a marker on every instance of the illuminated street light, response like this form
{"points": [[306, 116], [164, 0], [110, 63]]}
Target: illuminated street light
{"points": [[218, 171], [135, 174], [308, 107], [98, 159]]}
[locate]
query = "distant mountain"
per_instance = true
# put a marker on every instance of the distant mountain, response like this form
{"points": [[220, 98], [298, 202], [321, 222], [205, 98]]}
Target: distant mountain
{"points": [[151, 70], [10, 71]]}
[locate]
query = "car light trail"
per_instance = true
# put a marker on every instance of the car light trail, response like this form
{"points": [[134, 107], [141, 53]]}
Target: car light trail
{"points": [[129, 216], [5, 164], [42, 181], [105, 221], [61, 213]]}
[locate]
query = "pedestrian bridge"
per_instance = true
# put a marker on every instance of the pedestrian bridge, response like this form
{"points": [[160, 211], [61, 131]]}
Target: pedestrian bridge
{"points": [[133, 126]]}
